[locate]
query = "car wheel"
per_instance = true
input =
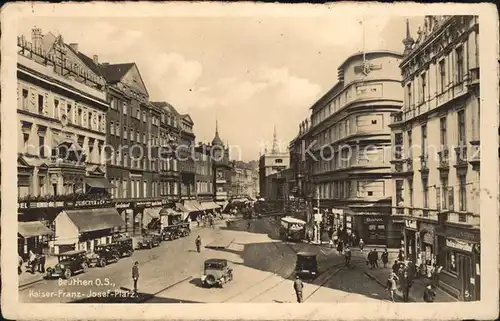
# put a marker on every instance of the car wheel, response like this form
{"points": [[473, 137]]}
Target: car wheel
{"points": [[67, 273], [102, 262], [85, 267], [117, 258]]}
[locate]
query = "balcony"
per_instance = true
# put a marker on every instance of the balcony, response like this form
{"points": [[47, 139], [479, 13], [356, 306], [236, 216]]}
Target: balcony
{"points": [[398, 210], [461, 156], [473, 77], [397, 118], [463, 218], [424, 163], [475, 157], [59, 162], [425, 213], [444, 160]]}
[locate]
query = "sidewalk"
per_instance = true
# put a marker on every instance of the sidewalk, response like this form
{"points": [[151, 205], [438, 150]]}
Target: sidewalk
{"points": [[26, 278], [416, 294]]}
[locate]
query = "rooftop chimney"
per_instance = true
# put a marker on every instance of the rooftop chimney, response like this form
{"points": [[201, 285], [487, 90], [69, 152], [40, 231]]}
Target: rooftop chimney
{"points": [[96, 59], [74, 46]]}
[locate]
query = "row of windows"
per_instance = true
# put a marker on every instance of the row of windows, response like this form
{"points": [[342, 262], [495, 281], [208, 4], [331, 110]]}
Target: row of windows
{"points": [[335, 105], [126, 160], [136, 113], [445, 197], [343, 189], [114, 129], [344, 159], [140, 189], [204, 187], [58, 108]]}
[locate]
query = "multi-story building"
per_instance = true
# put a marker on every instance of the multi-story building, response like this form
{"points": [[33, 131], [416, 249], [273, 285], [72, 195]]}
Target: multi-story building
{"points": [[300, 186], [62, 132], [169, 140], [204, 174], [186, 158], [271, 163], [133, 140], [436, 160], [348, 147], [221, 168]]}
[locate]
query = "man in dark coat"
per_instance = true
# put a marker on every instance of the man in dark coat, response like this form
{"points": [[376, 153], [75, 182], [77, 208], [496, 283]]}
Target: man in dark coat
{"points": [[41, 263], [395, 267], [405, 286], [385, 257], [135, 275], [375, 258], [429, 294], [198, 244], [298, 287]]}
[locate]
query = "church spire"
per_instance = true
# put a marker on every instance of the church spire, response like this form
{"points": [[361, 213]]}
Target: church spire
{"points": [[217, 141], [275, 142], [408, 41]]}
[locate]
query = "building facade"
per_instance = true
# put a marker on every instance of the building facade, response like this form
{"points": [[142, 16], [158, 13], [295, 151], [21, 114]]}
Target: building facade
{"points": [[271, 163], [349, 142], [222, 166], [436, 162], [204, 174], [186, 158], [62, 112]]}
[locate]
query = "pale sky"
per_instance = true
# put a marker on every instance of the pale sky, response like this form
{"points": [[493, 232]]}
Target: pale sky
{"points": [[250, 73]]}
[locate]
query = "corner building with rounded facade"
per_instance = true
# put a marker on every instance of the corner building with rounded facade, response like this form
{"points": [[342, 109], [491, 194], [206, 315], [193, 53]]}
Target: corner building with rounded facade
{"points": [[348, 154]]}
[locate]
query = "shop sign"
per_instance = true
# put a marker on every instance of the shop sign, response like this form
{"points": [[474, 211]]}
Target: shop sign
{"points": [[464, 235], [428, 238], [459, 245], [398, 220], [143, 204], [122, 205], [374, 220], [411, 224], [156, 203], [338, 211], [38, 205], [164, 202], [89, 203]]}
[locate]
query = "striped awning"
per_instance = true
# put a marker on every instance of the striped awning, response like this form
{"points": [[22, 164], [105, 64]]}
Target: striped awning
{"points": [[31, 229]]}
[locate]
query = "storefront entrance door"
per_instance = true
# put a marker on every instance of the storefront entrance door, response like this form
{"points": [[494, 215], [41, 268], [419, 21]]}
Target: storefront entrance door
{"points": [[464, 270]]}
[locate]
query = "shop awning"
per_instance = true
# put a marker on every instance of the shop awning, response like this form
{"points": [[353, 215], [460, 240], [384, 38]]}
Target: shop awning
{"points": [[153, 212], [223, 204], [95, 219], [169, 211], [210, 205], [98, 182], [31, 229], [193, 206]]}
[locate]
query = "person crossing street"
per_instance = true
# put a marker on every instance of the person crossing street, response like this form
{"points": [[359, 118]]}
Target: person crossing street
{"points": [[385, 257], [135, 275], [198, 244], [298, 287]]}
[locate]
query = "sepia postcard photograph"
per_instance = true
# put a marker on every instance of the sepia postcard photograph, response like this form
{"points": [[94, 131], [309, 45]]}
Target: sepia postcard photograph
{"points": [[249, 161]]}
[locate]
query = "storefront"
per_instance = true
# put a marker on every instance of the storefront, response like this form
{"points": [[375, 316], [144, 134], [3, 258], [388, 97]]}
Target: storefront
{"points": [[193, 208], [395, 231], [427, 255], [83, 229], [126, 212], [32, 236], [373, 229], [411, 239], [150, 212], [210, 207], [460, 256]]}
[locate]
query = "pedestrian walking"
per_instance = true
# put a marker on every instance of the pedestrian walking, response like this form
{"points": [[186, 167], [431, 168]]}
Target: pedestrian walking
{"points": [[392, 285], [371, 259], [435, 275], [32, 261], [405, 286], [395, 267], [41, 263], [429, 294], [347, 256], [375, 257], [401, 256], [298, 287], [135, 275], [340, 247], [198, 244], [385, 257], [361, 245]]}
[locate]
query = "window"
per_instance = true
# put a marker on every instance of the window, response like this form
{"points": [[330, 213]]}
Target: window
{"points": [[442, 75], [444, 192], [25, 99], [460, 63], [124, 105], [408, 91], [138, 136], [125, 159], [461, 128], [399, 193], [144, 138], [424, 140], [423, 83], [410, 191], [443, 136], [41, 143], [138, 113], [40, 104], [112, 103], [451, 262], [99, 121], [79, 120], [144, 116], [125, 132], [89, 120], [398, 144], [117, 129], [56, 108], [112, 128], [132, 134], [144, 189], [462, 197], [425, 190]]}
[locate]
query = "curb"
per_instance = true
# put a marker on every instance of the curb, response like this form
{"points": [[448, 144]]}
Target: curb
{"points": [[24, 285]]}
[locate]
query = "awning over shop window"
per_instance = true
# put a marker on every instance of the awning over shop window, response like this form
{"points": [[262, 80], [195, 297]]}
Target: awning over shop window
{"points": [[98, 182], [209, 205], [181, 208], [31, 229], [150, 214], [193, 206], [223, 204], [95, 219], [169, 211]]}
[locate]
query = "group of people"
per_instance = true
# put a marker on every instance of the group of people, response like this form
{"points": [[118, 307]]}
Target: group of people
{"points": [[36, 262], [372, 258]]}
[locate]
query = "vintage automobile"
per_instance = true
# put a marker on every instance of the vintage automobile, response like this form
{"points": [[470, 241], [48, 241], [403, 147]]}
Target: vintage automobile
{"points": [[148, 241], [169, 233], [216, 273], [103, 254], [184, 229], [306, 265], [124, 245], [69, 263]]}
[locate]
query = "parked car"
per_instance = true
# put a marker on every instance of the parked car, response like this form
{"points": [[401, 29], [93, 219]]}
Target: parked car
{"points": [[306, 265], [184, 229], [216, 272], [169, 233], [68, 264], [147, 241], [103, 254], [124, 245]]}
